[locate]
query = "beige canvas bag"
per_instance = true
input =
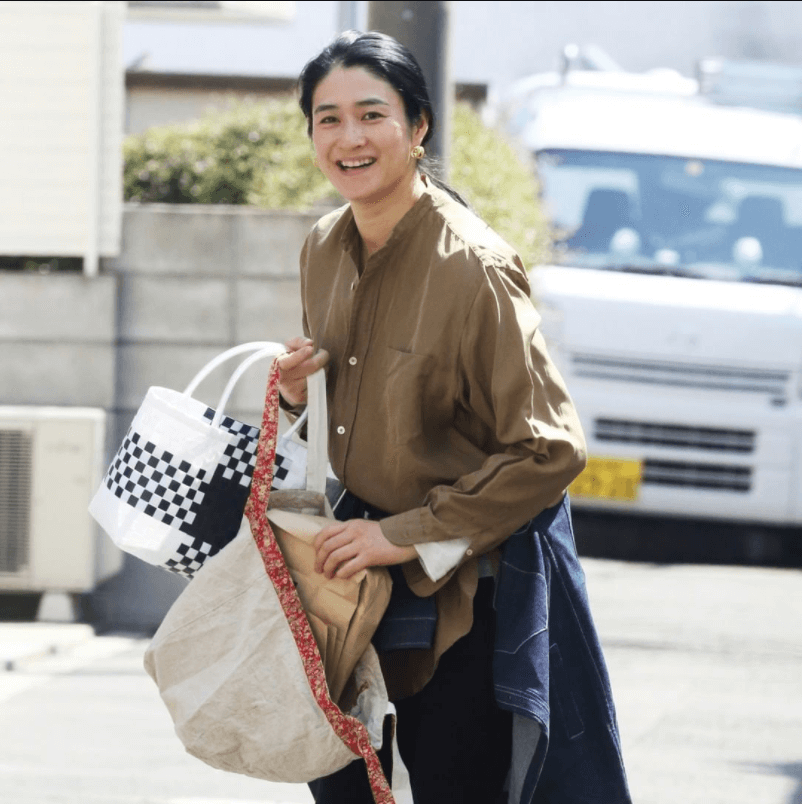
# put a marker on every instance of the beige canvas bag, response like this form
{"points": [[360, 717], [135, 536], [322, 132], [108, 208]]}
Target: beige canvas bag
{"points": [[236, 659]]}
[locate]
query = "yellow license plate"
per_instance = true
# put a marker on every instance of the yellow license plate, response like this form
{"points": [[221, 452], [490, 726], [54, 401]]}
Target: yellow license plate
{"points": [[609, 479]]}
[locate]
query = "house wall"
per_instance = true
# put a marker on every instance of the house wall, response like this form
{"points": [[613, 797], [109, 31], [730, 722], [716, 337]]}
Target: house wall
{"points": [[62, 100]]}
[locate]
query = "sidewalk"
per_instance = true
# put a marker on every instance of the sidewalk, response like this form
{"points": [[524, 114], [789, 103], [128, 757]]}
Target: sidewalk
{"points": [[82, 723], [23, 642]]}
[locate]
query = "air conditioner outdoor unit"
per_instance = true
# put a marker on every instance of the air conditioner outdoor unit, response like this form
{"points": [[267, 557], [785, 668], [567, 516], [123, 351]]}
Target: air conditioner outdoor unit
{"points": [[50, 465]]}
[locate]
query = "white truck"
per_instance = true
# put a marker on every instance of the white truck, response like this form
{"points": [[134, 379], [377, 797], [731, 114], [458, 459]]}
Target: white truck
{"points": [[674, 303]]}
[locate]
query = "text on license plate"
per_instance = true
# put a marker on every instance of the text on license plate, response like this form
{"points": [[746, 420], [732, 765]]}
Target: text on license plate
{"points": [[609, 479]]}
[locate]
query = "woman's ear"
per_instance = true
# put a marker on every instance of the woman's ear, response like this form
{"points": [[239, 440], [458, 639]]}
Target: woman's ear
{"points": [[419, 129]]}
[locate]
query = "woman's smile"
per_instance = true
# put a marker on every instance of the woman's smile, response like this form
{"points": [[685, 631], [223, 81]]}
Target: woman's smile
{"points": [[355, 164]]}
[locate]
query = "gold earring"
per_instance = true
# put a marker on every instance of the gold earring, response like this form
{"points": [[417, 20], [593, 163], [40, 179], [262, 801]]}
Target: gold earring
{"points": [[418, 152], [316, 163]]}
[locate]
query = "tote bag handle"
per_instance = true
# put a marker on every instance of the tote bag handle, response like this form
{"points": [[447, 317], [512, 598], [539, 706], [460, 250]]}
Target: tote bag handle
{"points": [[253, 346], [315, 412]]}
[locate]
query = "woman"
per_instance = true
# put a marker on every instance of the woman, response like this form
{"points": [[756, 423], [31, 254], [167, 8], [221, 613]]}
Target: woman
{"points": [[456, 439]]}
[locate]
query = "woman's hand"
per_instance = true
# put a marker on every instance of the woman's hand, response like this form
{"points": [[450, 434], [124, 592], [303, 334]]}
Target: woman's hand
{"points": [[296, 366], [344, 548]]}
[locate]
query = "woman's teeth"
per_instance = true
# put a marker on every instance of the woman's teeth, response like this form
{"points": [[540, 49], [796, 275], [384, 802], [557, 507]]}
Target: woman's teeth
{"points": [[352, 164]]}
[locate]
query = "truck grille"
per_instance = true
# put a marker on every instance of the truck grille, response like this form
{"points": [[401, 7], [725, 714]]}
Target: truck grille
{"points": [[682, 375], [675, 436], [16, 449], [697, 475]]}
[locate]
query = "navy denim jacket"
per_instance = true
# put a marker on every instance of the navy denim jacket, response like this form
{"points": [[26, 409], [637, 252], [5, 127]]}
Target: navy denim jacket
{"points": [[548, 667]]}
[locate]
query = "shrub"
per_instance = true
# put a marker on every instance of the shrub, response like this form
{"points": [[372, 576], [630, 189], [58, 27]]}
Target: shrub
{"points": [[259, 153], [251, 154]]}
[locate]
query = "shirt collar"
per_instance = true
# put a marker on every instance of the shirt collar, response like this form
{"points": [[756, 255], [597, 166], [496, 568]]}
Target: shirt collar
{"points": [[352, 243]]}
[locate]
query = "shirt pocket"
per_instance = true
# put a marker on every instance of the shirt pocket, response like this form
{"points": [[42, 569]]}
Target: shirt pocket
{"points": [[406, 395]]}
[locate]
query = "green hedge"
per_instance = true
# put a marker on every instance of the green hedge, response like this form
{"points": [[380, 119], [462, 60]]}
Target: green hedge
{"points": [[260, 154]]}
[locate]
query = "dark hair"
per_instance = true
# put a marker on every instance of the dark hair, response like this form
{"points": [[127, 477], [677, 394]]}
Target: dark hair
{"points": [[388, 60]]}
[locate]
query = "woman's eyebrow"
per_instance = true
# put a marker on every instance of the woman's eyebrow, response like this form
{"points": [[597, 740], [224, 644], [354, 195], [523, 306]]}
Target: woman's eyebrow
{"points": [[372, 102], [328, 107]]}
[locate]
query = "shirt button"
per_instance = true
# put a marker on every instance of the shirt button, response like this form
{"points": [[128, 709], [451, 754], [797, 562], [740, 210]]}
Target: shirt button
{"points": [[341, 430], [469, 552], [352, 361]]}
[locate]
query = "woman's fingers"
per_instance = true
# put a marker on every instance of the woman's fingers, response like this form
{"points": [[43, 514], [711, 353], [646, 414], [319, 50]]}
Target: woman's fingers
{"points": [[344, 548], [295, 366], [327, 541], [293, 344], [344, 562]]}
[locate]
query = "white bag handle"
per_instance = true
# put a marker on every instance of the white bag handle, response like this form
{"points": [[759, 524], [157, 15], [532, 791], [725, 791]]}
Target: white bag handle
{"points": [[270, 350], [315, 412], [253, 346]]}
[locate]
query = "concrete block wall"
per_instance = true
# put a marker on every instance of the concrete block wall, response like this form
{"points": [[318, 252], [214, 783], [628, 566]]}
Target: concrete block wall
{"points": [[190, 282], [57, 339], [194, 280]]}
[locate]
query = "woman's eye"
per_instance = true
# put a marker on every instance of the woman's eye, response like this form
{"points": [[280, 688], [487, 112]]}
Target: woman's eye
{"points": [[372, 116], [327, 119]]}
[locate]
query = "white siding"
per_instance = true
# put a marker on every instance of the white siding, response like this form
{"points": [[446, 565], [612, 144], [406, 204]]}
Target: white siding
{"points": [[61, 118]]}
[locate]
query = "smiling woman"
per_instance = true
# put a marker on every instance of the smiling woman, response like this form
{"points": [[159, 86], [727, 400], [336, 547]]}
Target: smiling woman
{"points": [[456, 439]]}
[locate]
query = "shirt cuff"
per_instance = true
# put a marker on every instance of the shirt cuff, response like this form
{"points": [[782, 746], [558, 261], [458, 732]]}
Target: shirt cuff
{"points": [[292, 411], [439, 558]]}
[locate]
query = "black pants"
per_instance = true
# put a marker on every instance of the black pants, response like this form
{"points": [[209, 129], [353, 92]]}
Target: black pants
{"points": [[454, 741]]}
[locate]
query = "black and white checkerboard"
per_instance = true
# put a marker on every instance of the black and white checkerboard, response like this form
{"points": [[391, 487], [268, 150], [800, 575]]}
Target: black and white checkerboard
{"points": [[155, 482], [203, 508], [239, 458], [289, 471]]}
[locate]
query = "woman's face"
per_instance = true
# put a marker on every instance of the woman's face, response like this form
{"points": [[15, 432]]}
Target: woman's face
{"points": [[361, 136]]}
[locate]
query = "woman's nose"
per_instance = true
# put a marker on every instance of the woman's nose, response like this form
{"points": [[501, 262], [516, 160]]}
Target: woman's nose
{"points": [[353, 133]]}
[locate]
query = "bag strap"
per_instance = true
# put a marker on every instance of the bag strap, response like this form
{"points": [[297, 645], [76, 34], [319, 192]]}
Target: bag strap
{"points": [[315, 412], [317, 432], [350, 730], [253, 346], [271, 350]]}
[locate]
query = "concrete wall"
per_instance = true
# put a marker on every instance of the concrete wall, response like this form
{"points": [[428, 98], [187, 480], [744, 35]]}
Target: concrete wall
{"points": [[190, 282], [194, 281], [57, 339]]}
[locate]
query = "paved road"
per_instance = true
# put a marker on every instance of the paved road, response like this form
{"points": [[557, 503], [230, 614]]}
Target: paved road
{"points": [[706, 665]]}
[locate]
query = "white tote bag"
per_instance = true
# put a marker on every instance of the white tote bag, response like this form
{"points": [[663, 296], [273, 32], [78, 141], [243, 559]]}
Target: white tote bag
{"points": [[175, 491]]}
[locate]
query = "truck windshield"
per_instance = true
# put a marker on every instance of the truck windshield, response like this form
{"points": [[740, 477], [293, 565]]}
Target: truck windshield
{"points": [[661, 214]]}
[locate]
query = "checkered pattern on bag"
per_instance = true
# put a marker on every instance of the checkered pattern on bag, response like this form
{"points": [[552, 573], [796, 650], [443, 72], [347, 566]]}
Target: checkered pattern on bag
{"points": [[155, 482], [240, 458], [203, 509], [290, 466], [189, 556]]}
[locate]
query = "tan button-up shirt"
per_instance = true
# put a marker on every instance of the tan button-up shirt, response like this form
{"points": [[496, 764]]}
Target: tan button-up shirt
{"points": [[445, 408]]}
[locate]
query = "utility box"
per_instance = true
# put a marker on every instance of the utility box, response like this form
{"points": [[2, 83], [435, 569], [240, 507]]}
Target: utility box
{"points": [[50, 466]]}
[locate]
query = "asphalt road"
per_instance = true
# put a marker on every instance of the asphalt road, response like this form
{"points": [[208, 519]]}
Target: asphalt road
{"points": [[705, 661]]}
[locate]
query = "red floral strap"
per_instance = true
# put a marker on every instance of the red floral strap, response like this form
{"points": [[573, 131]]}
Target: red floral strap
{"points": [[348, 729]]}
